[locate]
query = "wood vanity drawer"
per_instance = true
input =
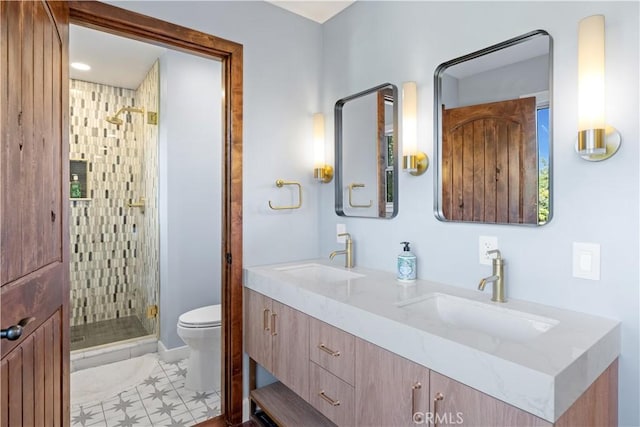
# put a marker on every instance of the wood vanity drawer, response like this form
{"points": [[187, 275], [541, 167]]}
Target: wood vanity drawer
{"points": [[333, 349], [331, 396]]}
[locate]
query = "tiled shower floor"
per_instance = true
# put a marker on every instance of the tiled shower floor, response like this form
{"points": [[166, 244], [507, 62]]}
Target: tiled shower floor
{"points": [[105, 332], [160, 400]]}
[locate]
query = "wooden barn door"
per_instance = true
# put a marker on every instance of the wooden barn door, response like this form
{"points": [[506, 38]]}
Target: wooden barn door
{"points": [[34, 272], [490, 162]]}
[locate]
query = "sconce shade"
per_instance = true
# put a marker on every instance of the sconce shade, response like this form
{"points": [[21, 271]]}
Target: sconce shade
{"points": [[321, 171], [409, 122], [591, 120], [318, 140], [413, 161]]}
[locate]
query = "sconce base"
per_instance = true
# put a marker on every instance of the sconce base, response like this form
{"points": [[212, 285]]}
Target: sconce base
{"points": [[323, 174], [416, 164], [612, 139]]}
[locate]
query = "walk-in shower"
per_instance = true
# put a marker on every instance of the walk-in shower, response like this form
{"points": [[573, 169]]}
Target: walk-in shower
{"points": [[114, 241]]}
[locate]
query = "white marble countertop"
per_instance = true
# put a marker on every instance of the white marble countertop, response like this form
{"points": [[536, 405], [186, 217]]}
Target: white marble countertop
{"points": [[543, 375]]}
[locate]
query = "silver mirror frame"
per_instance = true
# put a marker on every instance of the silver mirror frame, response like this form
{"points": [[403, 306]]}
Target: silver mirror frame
{"points": [[437, 119], [339, 174]]}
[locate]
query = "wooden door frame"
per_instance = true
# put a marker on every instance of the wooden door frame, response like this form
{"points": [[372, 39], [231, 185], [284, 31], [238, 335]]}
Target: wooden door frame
{"points": [[140, 27]]}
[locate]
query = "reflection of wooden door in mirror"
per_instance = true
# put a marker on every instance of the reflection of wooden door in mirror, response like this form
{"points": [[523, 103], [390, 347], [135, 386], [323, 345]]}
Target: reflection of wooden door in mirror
{"points": [[489, 162], [385, 97]]}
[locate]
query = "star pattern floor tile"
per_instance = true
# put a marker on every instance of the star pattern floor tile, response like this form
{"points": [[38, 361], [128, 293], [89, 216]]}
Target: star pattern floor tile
{"points": [[160, 400]]}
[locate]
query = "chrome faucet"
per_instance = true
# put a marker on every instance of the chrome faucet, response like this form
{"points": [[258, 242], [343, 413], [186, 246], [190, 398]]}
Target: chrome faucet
{"points": [[497, 278], [348, 251]]}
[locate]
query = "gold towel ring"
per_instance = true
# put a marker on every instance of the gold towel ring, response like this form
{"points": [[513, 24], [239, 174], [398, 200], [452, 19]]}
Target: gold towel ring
{"points": [[281, 183]]}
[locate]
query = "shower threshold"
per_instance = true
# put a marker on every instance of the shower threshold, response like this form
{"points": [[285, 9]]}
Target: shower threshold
{"points": [[113, 352], [109, 341], [106, 332]]}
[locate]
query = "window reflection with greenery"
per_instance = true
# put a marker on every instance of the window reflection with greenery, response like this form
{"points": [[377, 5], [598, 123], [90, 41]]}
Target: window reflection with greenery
{"points": [[543, 164]]}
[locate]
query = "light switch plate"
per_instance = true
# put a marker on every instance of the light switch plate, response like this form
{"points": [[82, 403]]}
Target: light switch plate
{"points": [[586, 260]]}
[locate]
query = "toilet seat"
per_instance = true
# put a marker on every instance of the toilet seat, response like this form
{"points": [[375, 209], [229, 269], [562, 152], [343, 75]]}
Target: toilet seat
{"points": [[203, 317]]}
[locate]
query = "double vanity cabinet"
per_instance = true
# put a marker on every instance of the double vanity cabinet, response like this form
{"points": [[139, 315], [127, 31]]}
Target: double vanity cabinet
{"points": [[313, 330]]}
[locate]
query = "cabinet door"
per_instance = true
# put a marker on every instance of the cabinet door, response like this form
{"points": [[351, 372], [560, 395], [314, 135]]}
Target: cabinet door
{"points": [[290, 332], [390, 390], [257, 315], [456, 403]]}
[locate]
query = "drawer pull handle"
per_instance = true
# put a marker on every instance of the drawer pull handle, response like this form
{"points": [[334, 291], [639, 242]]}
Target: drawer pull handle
{"points": [[328, 399], [265, 319], [439, 397], [415, 416], [273, 324], [328, 350]]}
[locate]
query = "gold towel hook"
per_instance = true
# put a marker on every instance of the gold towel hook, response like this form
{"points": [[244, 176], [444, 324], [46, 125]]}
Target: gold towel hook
{"points": [[281, 183], [351, 187]]}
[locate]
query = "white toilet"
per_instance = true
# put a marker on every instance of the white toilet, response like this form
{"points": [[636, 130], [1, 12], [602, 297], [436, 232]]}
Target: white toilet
{"points": [[200, 330]]}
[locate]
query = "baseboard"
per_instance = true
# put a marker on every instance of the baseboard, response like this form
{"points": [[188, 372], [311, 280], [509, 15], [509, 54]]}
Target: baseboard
{"points": [[245, 410], [173, 354]]}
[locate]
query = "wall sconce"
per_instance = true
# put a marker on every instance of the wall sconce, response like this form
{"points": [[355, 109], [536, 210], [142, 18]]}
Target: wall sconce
{"points": [[596, 140], [321, 171], [415, 162]]}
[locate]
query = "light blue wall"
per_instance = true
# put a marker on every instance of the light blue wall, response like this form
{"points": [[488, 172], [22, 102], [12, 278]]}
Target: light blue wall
{"points": [[294, 67], [282, 74], [375, 42], [508, 82], [190, 187]]}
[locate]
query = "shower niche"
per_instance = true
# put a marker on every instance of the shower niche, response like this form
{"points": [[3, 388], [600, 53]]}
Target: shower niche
{"points": [[79, 180]]}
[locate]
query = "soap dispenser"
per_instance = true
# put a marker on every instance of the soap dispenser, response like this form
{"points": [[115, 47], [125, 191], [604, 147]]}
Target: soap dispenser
{"points": [[76, 191], [406, 265]]}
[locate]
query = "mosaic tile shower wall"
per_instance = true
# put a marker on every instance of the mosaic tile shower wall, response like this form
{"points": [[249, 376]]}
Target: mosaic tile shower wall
{"points": [[107, 236]]}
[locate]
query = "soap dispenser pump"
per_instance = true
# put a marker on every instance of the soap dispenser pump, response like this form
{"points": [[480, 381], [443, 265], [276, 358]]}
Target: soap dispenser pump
{"points": [[406, 265]]}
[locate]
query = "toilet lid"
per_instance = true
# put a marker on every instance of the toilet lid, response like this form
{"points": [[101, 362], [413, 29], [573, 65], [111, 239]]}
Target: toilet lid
{"points": [[201, 317]]}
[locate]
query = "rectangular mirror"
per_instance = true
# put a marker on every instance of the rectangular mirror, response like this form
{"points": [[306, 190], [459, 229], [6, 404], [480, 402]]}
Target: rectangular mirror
{"points": [[493, 135], [366, 135]]}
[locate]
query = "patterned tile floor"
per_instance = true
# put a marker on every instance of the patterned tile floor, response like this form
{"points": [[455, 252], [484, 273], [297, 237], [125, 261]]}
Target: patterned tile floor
{"points": [[160, 400]]}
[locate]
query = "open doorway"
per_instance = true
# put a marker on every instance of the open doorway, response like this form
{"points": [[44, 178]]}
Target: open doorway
{"points": [[124, 23], [145, 231]]}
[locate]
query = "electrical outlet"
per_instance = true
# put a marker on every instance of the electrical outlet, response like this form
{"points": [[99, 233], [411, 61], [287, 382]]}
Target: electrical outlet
{"points": [[486, 243], [341, 228]]}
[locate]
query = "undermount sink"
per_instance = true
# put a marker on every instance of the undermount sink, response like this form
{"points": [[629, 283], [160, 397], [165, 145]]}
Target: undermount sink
{"points": [[488, 318], [319, 272]]}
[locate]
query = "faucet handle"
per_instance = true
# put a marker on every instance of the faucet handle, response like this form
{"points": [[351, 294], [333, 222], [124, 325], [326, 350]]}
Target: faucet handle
{"points": [[494, 251], [345, 234]]}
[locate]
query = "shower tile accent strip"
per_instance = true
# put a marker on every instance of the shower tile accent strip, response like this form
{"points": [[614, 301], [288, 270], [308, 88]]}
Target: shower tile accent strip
{"points": [[113, 247]]}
